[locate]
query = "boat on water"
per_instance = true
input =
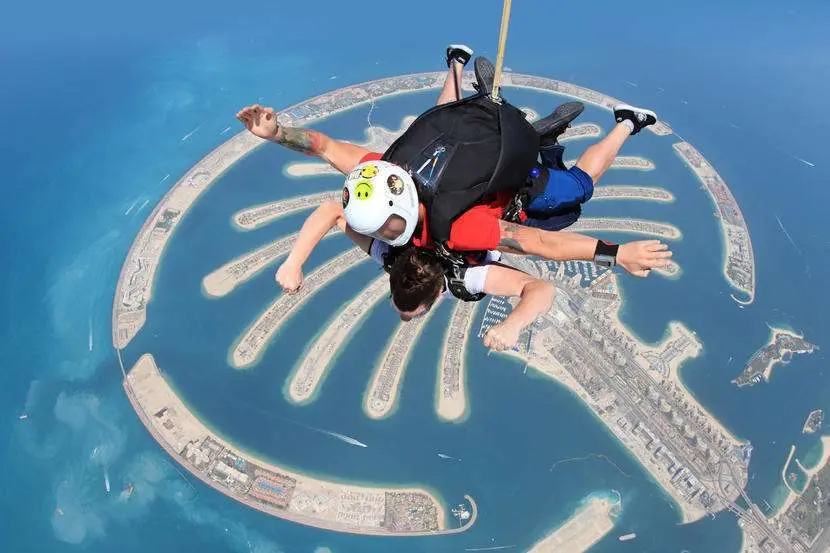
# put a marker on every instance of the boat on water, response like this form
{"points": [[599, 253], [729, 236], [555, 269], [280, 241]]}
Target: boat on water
{"points": [[107, 481], [128, 491], [23, 417], [627, 537]]}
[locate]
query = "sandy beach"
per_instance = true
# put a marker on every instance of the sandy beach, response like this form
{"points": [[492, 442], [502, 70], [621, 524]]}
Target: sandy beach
{"points": [[589, 524], [774, 333], [226, 278], [451, 388], [693, 347], [327, 504], [304, 381], [253, 342], [381, 397]]}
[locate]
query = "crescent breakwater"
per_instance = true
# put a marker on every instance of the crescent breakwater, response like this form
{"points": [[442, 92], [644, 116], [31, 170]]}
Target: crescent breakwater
{"points": [[394, 511], [739, 259], [133, 294]]}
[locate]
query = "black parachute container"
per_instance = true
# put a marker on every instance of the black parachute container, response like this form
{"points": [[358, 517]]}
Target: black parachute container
{"points": [[462, 152]]}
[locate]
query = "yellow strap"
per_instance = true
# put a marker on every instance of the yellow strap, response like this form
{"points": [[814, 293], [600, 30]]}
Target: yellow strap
{"points": [[505, 22]]}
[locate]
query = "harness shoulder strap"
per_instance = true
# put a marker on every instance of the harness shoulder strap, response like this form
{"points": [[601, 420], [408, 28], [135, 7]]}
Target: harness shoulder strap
{"points": [[456, 286], [390, 256]]}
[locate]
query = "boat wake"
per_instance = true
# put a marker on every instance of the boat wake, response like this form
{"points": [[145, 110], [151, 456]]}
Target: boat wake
{"points": [[450, 457], [342, 437], [129, 209], [805, 162], [191, 133], [787, 234]]}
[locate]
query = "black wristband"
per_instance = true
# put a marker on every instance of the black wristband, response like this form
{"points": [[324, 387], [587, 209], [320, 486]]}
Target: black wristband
{"points": [[606, 254]]}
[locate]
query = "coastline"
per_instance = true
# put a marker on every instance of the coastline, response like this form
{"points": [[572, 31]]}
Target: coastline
{"points": [[634, 389], [673, 272], [259, 215], [303, 383], [810, 472], [147, 389], [588, 524], [774, 333], [137, 275], [632, 163], [248, 349], [633, 192], [552, 369], [677, 330], [739, 258], [380, 399], [628, 226], [823, 459], [224, 280], [451, 384]]}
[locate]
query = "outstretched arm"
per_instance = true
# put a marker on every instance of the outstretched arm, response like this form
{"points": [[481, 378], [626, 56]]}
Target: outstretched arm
{"points": [[329, 215], [536, 297], [262, 122], [638, 257]]}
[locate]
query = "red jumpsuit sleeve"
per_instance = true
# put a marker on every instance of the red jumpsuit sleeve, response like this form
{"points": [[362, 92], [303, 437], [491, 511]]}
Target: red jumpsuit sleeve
{"points": [[477, 229]]}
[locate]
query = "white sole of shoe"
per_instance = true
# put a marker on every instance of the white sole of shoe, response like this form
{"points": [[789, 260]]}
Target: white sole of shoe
{"points": [[634, 109], [462, 47]]}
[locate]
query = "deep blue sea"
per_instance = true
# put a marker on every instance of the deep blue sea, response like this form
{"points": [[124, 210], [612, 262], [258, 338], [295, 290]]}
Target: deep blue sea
{"points": [[103, 101]]}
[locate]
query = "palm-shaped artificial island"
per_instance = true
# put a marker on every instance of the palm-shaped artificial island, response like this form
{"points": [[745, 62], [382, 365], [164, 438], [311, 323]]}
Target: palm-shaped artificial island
{"points": [[633, 387]]}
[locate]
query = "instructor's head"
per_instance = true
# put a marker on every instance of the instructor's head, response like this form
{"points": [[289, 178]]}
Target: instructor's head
{"points": [[416, 279], [380, 200]]}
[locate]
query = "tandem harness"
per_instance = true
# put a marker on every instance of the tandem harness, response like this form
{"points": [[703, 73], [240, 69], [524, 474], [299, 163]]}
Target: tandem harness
{"points": [[453, 273], [463, 152]]}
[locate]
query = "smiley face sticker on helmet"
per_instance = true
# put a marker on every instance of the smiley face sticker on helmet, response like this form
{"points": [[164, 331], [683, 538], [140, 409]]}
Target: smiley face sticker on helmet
{"points": [[363, 190], [395, 185], [369, 172]]}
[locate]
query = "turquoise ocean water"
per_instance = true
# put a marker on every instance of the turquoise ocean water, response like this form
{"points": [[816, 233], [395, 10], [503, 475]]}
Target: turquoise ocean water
{"points": [[92, 132]]}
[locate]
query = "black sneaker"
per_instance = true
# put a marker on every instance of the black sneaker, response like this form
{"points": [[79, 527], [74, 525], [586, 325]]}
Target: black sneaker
{"points": [[460, 53], [485, 75], [551, 127], [641, 118]]}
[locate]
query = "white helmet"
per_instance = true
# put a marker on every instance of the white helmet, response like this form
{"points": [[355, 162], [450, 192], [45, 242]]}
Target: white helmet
{"points": [[374, 193]]}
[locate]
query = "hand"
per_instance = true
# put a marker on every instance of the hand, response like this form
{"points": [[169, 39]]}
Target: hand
{"points": [[501, 336], [290, 278], [640, 257], [260, 121]]}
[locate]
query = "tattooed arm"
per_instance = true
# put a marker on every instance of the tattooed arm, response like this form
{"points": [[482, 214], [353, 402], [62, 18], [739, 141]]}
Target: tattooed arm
{"points": [[263, 123], [557, 246], [638, 258]]}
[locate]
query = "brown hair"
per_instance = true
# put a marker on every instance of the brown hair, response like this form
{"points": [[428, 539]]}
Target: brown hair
{"points": [[416, 278]]}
